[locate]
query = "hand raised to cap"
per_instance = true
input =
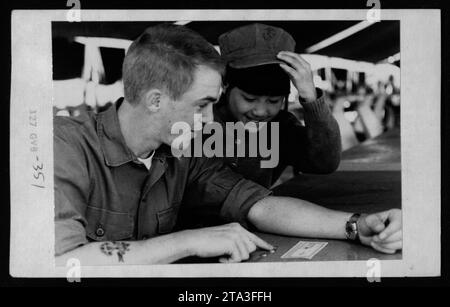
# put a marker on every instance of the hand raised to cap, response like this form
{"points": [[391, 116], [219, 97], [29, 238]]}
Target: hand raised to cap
{"points": [[300, 73]]}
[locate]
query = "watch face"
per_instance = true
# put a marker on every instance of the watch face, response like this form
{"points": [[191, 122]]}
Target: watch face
{"points": [[350, 229]]}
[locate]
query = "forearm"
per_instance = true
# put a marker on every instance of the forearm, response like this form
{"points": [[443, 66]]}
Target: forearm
{"points": [[158, 250], [296, 217], [323, 148], [324, 136]]}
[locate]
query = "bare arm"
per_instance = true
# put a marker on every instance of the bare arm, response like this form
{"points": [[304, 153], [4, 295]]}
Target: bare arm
{"points": [[159, 250], [296, 217], [300, 218], [231, 241]]}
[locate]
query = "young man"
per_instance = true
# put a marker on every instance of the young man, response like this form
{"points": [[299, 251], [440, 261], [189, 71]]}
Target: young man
{"points": [[118, 187]]}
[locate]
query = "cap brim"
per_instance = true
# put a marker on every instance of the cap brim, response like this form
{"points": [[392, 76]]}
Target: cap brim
{"points": [[262, 59]]}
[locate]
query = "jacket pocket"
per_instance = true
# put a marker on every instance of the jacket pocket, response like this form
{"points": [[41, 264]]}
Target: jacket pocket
{"points": [[106, 225], [167, 219]]}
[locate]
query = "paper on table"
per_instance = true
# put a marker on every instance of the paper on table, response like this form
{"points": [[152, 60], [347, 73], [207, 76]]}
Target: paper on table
{"points": [[304, 249]]}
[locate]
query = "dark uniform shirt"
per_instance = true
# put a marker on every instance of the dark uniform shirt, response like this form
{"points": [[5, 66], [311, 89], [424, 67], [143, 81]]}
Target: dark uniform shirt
{"points": [[103, 192]]}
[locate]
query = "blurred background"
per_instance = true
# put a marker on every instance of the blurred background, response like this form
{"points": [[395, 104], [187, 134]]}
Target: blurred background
{"points": [[355, 63]]}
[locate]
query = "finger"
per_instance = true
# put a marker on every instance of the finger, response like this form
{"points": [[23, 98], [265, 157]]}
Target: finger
{"points": [[383, 215], [260, 242], [231, 250], [296, 58], [381, 249], [235, 255], [255, 240], [299, 58], [251, 247], [293, 63], [395, 224], [289, 70], [242, 247], [237, 245], [375, 223], [392, 246], [397, 236]]}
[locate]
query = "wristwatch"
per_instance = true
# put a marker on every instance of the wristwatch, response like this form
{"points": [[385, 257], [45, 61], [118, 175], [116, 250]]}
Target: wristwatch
{"points": [[351, 228]]}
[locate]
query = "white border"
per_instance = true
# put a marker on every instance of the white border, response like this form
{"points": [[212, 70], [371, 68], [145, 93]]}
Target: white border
{"points": [[32, 228]]}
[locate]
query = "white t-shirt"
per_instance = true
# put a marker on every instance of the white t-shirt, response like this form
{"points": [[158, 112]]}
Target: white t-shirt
{"points": [[147, 161]]}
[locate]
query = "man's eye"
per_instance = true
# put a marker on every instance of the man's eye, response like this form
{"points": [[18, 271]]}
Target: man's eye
{"points": [[250, 99], [274, 101]]}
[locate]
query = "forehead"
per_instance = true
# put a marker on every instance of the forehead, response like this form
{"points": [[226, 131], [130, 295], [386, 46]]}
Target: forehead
{"points": [[207, 82], [255, 95]]}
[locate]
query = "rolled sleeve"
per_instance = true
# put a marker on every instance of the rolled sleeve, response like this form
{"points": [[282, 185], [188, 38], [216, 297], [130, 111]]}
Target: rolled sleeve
{"points": [[240, 199], [71, 190], [69, 234], [216, 191]]}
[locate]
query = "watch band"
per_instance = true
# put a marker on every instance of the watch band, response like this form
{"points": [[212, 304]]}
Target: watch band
{"points": [[351, 228]]}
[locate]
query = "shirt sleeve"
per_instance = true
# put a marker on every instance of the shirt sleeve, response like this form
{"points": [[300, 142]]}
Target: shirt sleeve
{"points": [[215, 190], [71, 190], [314, 147]]}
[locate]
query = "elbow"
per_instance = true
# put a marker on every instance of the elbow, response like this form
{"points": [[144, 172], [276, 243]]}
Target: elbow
{"points": [[258, 213], [328, 162], [330, 166], [323, 160]]}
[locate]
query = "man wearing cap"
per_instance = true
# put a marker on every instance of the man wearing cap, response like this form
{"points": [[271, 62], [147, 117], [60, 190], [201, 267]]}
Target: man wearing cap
{"points": [[260, 65]]}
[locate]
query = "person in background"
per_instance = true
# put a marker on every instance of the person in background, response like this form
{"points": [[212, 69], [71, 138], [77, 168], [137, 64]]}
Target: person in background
{"points": [[393, 103], [261, 64], [368, 124]]}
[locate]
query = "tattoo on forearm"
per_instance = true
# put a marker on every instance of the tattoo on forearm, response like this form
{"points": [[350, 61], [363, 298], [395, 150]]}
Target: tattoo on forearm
{"points": [[108, 248]]}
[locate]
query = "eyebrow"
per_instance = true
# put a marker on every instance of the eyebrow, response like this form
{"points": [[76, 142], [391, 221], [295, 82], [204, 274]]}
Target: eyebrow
{"points": [[255, 96], [245, 93], [248, 95], [208, 99]]}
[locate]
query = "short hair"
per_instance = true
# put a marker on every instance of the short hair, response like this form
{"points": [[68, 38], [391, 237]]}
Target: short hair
{"points": [[165, 57]]}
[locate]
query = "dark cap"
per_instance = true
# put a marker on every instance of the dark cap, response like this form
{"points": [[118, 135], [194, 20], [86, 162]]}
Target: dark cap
{"points": [[254, 44], [265, 80]]}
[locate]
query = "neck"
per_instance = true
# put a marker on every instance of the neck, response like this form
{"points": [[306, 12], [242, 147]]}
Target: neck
{"points": [[141, 136]]}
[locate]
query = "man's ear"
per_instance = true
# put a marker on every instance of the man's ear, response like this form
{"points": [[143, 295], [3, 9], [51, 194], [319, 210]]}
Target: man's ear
{"points": [[152, 100]]}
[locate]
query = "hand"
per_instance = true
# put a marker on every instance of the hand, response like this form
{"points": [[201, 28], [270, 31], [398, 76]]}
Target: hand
{"points": [[300, 73], [230, 239], [382, 230]]}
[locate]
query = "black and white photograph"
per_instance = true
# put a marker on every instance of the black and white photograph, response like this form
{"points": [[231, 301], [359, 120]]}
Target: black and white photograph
{"points": [[213, 143], [99, 205]]}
